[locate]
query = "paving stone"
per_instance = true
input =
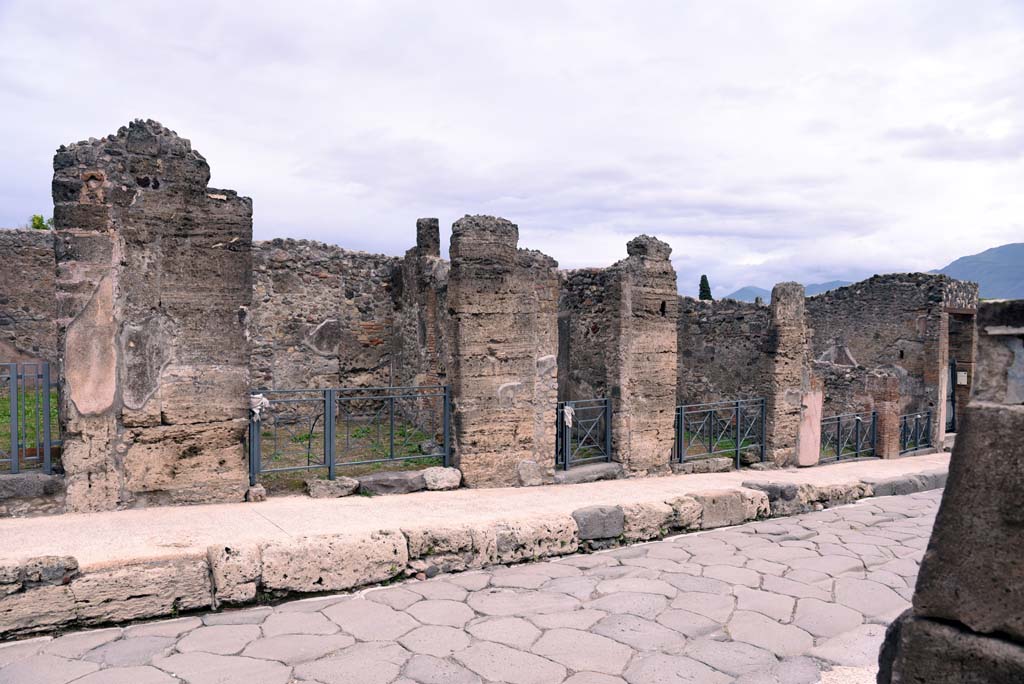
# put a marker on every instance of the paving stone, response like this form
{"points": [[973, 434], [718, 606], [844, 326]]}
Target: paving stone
{"points": [[731, 657], [813, 577], [577, 619], [396, 597], [833, 565], [247, 616], [799, 670], [370, 663], [163, 628], [766, 567], [500, 663], [869, 598], [511, 631], [578, 587], [858, 647], [45, 669], [450, 613], [297, 648], [579, 650], [645, 605], [129, 652], [470, 581], [435, 640], [593, 678], [702, 584], [660, 668], [640, 634], [690, 624], [520, 580], [824, 619], [776, 606], [311, 605], [78, 644], [298, 623], [717, 607], [639, 585], [733, 575], [725, 558], [128, 675], [427, 669], [505, 602], [19, 650], [756, 629], [448, 589], [782, 585], [369, 621], [220, 639], [207, 668]]}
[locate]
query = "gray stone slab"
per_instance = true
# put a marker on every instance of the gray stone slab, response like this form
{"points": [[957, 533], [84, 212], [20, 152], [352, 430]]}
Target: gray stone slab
{"points": [[599, 522], [579, 650], [670, 669], [369, 621], [500, 663], [45, 669]]}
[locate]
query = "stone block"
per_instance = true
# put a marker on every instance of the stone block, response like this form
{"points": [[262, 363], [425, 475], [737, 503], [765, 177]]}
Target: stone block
{"points": [[721, 508], [531, 473], [895, 486], [592, 472], [686, 513], [599, 522], [983, 508], [49, 570], [396, 482], [644, 521], [333, 562], [143, 590], [30, 485], [755, 504], [923, 650], [331, 489], [449, 548], [235, 572], [521, 540], [718, 464], [35, 610], [442, 478], [256, 494]]}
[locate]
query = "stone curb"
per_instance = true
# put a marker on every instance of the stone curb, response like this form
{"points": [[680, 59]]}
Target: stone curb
{"points": [[50, 593]]}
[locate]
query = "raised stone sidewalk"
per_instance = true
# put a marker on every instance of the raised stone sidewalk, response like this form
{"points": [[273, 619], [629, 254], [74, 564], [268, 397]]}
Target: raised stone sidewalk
{"points": [[99, 568]]}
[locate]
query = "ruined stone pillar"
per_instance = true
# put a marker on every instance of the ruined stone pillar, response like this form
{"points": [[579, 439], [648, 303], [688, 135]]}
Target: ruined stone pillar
{"points": [[788, 374], [643, 364], [967, 620], [503, 305], [885, 395], [154, 283]]}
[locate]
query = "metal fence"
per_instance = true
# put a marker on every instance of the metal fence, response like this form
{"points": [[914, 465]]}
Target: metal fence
{"points": [[29, 428], [301, 430], [848, 436], [723, 428], [915, 431], [583, 432]]}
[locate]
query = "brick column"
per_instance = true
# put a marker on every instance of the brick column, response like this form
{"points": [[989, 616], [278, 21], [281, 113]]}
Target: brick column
{"points": [[885, 395], [503, 304], [788, 373]]}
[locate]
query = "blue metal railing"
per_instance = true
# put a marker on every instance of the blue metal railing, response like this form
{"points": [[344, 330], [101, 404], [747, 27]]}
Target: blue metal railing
{"points": [[722, 428], [29, 431], [915, 431], [583, 432], [299, 430], [848, 436]]}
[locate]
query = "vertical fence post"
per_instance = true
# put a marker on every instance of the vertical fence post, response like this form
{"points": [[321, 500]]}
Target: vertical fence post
{"points": [[391, 424], [683, 446], [47, 427], [839, 438], [608, 428], [764, 428], [446, 417], [857, 422], [329, 427], [737, 434], [254, 448], [13, 369]]}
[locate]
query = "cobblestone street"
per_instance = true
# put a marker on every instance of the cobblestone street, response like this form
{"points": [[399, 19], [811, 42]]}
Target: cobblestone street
{"points": [[793, 600]]}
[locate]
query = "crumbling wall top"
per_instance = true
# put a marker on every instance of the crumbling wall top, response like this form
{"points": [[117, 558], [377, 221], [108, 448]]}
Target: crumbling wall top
{"points": [[649, 247]]}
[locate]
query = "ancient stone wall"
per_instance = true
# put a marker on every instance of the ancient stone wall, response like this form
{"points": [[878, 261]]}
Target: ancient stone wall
{"points": [[322, 316], [28, 304], [721, 350], [790, 388], [154, 286], [967, 620], [503, 304], [619, 339]]}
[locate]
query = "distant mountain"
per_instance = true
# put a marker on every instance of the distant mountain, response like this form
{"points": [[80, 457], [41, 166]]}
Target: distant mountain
{"points": [[748, 293], [999, 271]]}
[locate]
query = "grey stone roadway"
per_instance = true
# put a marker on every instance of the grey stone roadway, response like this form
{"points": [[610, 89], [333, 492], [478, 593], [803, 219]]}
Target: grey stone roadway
{"points": [[778, 601]]}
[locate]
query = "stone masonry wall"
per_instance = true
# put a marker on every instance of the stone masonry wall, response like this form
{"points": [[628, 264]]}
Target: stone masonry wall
{"points": [[721, 350], [154, 285], [789, 376], [589, 325], [28, 305], [322, 316], [503, 303]]}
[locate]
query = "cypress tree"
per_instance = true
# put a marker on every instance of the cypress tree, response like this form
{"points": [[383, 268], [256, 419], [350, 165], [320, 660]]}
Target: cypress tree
{"points": [[705, 288]]}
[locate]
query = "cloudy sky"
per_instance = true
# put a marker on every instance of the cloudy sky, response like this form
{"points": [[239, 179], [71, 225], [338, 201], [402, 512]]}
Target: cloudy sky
{"points": [[765, 141]]}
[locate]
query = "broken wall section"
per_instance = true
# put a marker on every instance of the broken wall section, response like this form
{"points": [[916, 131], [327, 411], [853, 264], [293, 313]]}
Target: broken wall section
{"points": [[154, 286], [503, 305], [28, 307], [322, 316]]}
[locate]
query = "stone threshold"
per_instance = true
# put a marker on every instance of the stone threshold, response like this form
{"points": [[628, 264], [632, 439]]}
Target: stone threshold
{"points": [[81, 570]]}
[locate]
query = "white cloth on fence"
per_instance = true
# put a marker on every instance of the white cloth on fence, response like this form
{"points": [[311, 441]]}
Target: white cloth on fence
{"points": [[567, 415], [258, 402]]}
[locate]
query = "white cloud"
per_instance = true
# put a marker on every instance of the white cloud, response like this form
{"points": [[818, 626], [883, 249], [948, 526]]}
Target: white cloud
{"points": [[764, 141]]}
